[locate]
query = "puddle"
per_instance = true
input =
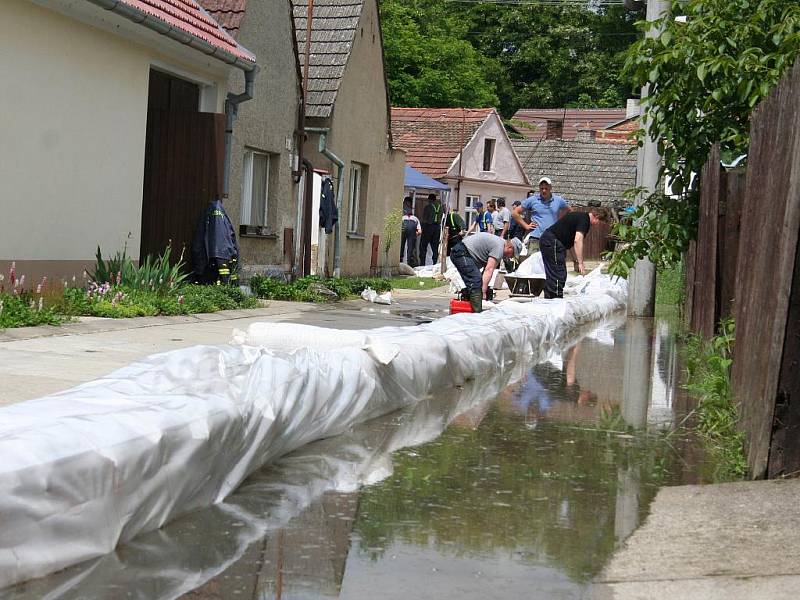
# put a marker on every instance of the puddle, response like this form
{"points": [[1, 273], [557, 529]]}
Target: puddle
{"points": [[488, 491]]}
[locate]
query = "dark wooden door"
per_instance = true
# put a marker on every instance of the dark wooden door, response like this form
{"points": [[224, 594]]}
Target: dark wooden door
{"points": [[183, 165]]}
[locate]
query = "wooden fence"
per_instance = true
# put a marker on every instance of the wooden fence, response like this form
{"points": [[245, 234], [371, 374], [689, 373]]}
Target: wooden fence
{"points": [[745, 264]]}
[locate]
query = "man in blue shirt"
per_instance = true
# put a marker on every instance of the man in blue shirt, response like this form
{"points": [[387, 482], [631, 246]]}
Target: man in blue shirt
{"points": [[545, 208]]}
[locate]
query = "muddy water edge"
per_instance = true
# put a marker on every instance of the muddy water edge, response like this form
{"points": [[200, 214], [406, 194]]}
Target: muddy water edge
{"points": [[487, 491]]}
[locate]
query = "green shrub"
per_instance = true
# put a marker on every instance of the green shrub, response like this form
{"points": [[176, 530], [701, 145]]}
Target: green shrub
{"points": [[708, 377], [154, 274], [124, 301], [301, 290], [24, 310], [211, 298]]}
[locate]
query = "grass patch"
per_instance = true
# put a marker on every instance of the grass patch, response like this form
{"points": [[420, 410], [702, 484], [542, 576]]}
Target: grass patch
{"points": [[56, 306], [417, 283], [669, 286], [708, 378], [316, 289]]}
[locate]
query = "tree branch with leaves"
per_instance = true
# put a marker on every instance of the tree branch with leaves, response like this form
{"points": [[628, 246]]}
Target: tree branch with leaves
{"points": [[705, 75]]}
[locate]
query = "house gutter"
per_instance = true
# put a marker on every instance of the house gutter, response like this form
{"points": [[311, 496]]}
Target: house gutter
{"points": [[164, 28], [325, 151], [233, 100], [231, 111]]}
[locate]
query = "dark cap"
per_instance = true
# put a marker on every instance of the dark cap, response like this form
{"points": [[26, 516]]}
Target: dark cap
{"points": [[479, 204]]}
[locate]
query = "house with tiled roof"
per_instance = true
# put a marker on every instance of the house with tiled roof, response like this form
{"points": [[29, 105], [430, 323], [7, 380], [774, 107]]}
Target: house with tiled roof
{"points": [[588, 169], [466, 148], [348, 130], [114, 133], [532, 123], [265, 175]]}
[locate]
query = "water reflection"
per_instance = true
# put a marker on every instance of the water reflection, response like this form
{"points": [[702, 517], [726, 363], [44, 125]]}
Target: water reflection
{"points": [[486, 491]]}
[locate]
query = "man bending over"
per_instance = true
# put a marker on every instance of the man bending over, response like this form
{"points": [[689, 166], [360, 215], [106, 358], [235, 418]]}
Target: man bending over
{"points": [[482, 250], [567, 232]]}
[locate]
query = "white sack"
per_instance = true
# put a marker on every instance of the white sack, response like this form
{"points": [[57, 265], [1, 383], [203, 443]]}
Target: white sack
{"points": [[88, 468], [371, 295]]}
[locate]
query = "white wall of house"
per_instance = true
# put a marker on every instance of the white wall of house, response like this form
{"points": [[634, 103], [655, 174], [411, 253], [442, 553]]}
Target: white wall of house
{"points": [[73, 115], [504, 166], [504, 177]]}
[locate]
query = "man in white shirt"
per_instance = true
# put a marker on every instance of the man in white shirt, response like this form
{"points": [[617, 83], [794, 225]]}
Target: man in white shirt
{"points": [[502, 219]]}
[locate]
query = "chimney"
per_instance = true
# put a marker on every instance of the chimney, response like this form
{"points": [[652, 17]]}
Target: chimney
{"points": [[632, 108], [585, 135], [555, 130]]}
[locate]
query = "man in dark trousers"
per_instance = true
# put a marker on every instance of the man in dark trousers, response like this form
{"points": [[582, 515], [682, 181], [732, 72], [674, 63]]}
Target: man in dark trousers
{"points": [[431, 229], [568, 232], [481, 251], [408, 241]]}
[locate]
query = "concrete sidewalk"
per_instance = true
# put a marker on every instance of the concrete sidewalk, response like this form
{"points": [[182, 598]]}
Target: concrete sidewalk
{"points": [[36, 361], [734, 541]]}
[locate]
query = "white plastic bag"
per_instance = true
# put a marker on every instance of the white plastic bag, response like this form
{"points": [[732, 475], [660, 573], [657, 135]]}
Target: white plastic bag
{"points": [[371, 295]]}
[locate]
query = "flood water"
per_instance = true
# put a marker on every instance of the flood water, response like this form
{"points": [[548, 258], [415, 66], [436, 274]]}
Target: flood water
{"points": [[496, 490]]}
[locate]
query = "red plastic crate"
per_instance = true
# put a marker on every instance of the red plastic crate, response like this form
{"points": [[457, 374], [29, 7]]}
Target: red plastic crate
{"points": [[460, 306]]}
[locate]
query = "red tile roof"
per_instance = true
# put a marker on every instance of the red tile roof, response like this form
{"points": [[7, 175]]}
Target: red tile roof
{"points": [[433, 137], [191, 18], [573, 118], [228, 13]]}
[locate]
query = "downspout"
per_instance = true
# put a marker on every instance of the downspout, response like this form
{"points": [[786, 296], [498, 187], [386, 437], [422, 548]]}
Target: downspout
{"points": [[231, 111], [325, 151]]}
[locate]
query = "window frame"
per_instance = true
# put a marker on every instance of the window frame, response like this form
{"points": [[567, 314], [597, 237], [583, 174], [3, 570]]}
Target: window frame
{"points": [[489, 146], [355, 192], [469, 208], [248, 172]]}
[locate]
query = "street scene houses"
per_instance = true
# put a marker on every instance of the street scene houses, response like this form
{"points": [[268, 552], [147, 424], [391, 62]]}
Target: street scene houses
{"points": [[148, 93], [218, 379], [467, 149]]}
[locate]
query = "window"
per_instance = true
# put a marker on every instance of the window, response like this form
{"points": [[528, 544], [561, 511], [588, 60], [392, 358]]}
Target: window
{"points": [[255, 188], [357, 207], [488, 154], [469, 208]]}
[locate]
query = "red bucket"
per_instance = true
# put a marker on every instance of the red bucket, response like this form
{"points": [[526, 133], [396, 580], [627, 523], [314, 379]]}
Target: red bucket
{"points": [[460, 306]]}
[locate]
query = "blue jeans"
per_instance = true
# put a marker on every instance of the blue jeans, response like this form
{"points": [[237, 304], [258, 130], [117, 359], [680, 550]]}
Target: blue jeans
{"points": [[467, 268]]}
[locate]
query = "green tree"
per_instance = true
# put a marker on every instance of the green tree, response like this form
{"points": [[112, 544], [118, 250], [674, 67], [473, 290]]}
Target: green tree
{"points": [[428, 62], [706, 76], [508, 56]]}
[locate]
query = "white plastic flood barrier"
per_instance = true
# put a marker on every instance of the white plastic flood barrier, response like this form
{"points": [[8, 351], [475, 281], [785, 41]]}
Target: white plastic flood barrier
{"points": [[88, 468]]}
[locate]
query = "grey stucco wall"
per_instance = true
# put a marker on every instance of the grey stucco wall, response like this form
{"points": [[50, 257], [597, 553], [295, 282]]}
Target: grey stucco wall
{"points": [[358, 133], [267, 123]]}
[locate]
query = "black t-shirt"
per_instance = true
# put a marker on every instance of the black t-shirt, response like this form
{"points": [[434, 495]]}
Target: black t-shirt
{"points": [[564, 229]]}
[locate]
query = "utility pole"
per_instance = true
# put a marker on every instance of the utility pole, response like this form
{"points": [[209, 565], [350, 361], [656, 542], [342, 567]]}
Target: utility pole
{"points": [[642, 279]]}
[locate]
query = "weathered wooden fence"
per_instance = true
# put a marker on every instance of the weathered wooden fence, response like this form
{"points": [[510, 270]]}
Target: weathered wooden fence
{"points": [[745, 264]]}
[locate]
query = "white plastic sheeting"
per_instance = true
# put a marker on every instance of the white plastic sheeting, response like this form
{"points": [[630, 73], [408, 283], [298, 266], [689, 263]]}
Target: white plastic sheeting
{"points": [[88, 468]]}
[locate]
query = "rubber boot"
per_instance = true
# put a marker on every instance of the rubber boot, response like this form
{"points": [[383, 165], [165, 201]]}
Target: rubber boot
{"points": [[476, 300]]}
